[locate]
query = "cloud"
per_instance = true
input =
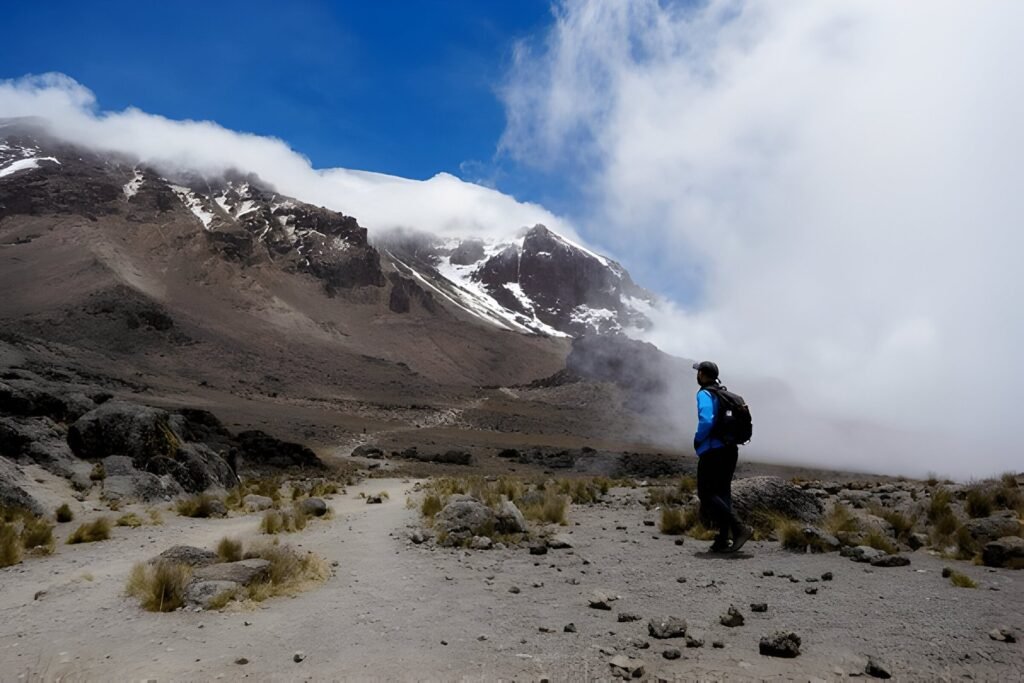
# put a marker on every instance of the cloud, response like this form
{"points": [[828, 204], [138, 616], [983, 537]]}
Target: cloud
{"points": [[442, 205], [845, 177]]}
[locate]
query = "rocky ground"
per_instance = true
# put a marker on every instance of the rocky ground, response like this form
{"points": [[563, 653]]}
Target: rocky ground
{"points": [[396, 609]]}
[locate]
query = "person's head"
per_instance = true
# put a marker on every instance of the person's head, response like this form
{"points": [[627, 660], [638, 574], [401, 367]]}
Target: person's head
{"points": [[707, 372]]}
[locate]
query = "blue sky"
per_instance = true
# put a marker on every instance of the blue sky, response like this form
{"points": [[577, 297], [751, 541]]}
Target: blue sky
{"points": [[405, 88]]}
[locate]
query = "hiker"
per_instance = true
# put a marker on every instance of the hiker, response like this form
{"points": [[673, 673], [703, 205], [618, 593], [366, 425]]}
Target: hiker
{"points": [[716, 463]]}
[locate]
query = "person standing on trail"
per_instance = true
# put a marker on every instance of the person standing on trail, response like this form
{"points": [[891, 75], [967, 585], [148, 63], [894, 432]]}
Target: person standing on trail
{"points": [[716, 464]]}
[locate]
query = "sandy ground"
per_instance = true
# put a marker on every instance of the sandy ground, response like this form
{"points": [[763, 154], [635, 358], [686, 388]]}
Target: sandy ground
{"points": [[395, 611]]}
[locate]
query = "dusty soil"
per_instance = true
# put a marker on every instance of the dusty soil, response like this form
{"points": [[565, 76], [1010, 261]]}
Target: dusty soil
{"points": [[394, 610]]}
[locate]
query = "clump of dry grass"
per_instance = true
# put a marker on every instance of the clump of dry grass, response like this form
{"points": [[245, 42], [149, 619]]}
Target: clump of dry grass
{"points": [[37, 535], [91, 532], [129, 519], [791, 535], [980, 501], [98, 473], [10, 545], [672, 522], [290, 571], [431, 505], [229, 550], [879, 541], [840, 521], [962, 580], [201, 505], [553, 508], [64, 513], [584, 491], [155, 517], [160, 586], [966, 546], [283, 521], [902, 525], [677, 495]]}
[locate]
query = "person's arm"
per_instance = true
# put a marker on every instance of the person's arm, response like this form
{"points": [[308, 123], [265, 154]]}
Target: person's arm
{"points": [[705, 417]]}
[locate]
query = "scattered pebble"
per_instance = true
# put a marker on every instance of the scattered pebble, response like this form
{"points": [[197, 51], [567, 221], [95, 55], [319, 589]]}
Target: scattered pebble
{"points": [[759, 607], [672, 653]]}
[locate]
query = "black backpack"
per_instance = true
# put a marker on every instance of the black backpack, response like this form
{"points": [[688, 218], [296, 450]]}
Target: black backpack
{"points": [[732, 419]]}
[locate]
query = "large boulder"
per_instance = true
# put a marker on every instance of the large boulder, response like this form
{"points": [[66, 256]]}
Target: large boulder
{"points": [[242, 572], [776, 496], [202, 593], [463, 518], [999, 525], [122, 428], [509, 519], [37, 440], [1004, 552], [12, 495], [124, 482], [259, 449], [188, 554], [34, 397]]}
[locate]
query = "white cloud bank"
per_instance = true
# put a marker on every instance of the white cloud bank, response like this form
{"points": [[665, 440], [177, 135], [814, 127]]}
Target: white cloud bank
{"points": [[849, 177], [443, 205]]}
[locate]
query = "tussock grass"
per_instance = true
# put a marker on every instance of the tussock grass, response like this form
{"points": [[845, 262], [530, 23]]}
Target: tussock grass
{"points": [[672, 521], [966, 547], [431, 505], [37, 536], [10, 545], [941, 516], [879, 541], [840, 520], [130, 520], [114, 505], [290, 571], [229, 550], [160, 586], [980, 501], [583, 491], [201, 505], [221, 600], [677, 495], [155, 518], [552, 509], [91, 532], [64, 513], [283, 521], [962, 580], [98, 473], [902, 525], [791, 535]]}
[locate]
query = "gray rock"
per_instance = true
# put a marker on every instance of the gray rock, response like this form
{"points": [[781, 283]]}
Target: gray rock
{"points": [[718, 644], [780, 644], [732, 618], [242, 572], [314, 507], [811, 591], [254, 502], [759, 607], [626, 667], [12, 495], [890, 561], [827, 576], [820, 540], [999, 525], [509, 519], [672, 653], [1003, 634], [202, 593], [918, 540], [666, 627], [298, 656], [366, 451], [1004, 552], [559, 542], [628, 616], [37, 440], [861, 553], [418, 537], [464, 517], [481, 543], [600, 600], [539, 549], [877, 669], [375, 499], [190, 555], [569, 628], [774, 495], [694, 639]]}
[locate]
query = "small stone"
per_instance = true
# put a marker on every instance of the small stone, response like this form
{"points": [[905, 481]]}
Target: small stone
{"points": [[767, 572], [559, 542], [444, 642], [247, 623], [827, 576], [241, 661], [569, 628], [717, 644], [600, 600], [694, 640], [648, 522], [811, 591], [1003, 634], [628, 616], [811, 579], [947, 572], [780, 644], [627, 667], [877, 669], [640, 643], [681, 579], [667, 627], [759, 607], [890, 561], [672, 653], [298, 656], [679, 541], [545, 629], [732, 618], [374, 500], [793, 579], [539, 549], [481, 637]]}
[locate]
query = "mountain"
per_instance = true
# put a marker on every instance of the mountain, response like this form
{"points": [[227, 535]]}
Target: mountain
{"points": [[219, 292]]}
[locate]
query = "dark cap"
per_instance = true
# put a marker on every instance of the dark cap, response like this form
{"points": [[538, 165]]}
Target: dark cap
{"points": [[707, 367]]}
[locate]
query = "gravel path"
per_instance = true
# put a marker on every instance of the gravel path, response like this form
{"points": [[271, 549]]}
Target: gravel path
{"points": [[393, 610]]}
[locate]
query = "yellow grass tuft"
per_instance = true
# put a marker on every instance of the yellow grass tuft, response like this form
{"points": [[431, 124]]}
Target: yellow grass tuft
{"points": [[159, 587], [229, 550], [64, 513], [130, 519], [90, 532]]}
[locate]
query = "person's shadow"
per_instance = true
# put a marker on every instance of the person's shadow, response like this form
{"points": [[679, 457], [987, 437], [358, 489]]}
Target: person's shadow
{"points": [[708, 555]]}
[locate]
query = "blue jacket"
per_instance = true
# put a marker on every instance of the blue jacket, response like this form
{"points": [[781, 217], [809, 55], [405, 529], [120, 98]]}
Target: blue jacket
{"points": [[707, 405]]}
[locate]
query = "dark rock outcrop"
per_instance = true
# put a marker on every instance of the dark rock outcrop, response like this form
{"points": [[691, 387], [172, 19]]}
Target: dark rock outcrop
{"points": [[773, 495]]}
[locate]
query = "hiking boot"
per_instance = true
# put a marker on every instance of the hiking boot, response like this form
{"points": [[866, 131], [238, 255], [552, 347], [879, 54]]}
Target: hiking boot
{"points": [[719, 546], [741, 537]]}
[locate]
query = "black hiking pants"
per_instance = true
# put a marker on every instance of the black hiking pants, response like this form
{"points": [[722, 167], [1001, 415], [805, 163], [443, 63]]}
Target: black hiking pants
{"points": [[714, 488]]}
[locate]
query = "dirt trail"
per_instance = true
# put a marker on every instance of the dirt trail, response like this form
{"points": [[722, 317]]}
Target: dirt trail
{"points": [[394, 611]]}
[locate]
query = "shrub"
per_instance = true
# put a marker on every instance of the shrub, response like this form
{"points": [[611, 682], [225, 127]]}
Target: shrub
{"points": [[229, 550], [941, 516], [90, 532], [791, 535], [97, 473], [64, 513], [288, 573], [201, 505], [966, 546], [130, 519], [431, 505], [37, 535], [553, 508], [323, 488], [840, 520], [10, 545], [901, 524], [979, 502], [672, 521], [159, 587], [962, 580], [154, 516]]}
